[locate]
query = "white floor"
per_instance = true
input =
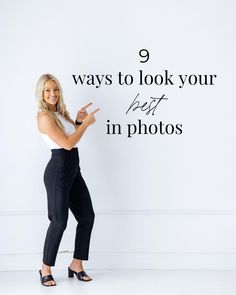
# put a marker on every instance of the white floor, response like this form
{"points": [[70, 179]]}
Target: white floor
{"points": [[130, 282]]}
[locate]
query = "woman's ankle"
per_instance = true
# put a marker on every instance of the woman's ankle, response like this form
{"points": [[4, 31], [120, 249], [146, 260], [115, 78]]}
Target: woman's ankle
{"points": [[45, 266], [77, 261]]}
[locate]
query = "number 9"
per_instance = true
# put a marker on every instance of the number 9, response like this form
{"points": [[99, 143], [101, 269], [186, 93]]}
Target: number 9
{"points": [[143, 55]]}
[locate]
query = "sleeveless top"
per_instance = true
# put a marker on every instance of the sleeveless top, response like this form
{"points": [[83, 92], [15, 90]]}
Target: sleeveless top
{"points": [[69, 129]]}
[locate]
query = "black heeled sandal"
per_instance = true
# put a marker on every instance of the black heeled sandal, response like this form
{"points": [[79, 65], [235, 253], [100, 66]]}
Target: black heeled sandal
{"points": [[79, 275], [45, 279]]}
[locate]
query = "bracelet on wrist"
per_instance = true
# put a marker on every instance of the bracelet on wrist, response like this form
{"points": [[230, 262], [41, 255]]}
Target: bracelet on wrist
{"points": [[78, 123]]}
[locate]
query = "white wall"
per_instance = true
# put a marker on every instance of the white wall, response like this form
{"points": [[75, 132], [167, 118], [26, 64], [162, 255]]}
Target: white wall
{"points": [[161, 201]]}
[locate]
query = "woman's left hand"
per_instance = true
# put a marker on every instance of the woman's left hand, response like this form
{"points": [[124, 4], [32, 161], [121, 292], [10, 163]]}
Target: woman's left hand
{"points": [[82, 113]]}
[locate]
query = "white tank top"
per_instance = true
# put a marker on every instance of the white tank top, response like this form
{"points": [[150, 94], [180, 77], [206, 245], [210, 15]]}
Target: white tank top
{"points": [[69, 129]]}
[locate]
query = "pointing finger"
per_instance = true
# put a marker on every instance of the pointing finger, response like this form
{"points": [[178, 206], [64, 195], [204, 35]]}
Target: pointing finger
{"points": [[86, 106], [93, 112]]}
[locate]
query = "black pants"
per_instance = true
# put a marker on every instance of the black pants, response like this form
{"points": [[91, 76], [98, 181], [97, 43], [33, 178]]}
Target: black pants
{"points": [[66, 189]]}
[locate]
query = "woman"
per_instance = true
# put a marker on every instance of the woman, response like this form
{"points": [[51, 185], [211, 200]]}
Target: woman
{"points": [[65, 186]]}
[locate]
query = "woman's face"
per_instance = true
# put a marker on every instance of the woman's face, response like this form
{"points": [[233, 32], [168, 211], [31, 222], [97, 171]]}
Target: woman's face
{"points": [[51, 93]]}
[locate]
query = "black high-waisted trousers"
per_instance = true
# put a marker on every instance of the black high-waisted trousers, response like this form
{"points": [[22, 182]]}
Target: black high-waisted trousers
{"points": [[66, 189]]}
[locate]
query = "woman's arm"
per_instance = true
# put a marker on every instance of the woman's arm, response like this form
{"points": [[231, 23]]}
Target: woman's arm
{"points": [[47, 125]]}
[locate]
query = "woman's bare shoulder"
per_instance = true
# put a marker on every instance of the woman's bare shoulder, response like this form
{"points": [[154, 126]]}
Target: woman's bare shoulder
{"points": [[42, 116], [44, 121]]}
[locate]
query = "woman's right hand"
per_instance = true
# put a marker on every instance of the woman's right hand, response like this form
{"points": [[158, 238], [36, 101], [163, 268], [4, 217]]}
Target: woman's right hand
{"points": [[90, 118]]}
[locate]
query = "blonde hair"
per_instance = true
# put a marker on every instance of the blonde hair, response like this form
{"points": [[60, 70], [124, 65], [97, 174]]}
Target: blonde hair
{"points": [[61, 107]]}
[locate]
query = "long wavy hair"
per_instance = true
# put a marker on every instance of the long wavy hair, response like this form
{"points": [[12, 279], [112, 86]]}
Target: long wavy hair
{"points": [[61, 107]]}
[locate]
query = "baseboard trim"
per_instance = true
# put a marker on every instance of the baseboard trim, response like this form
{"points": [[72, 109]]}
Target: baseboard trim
{"points": [[141, 212], [128, 260]]}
